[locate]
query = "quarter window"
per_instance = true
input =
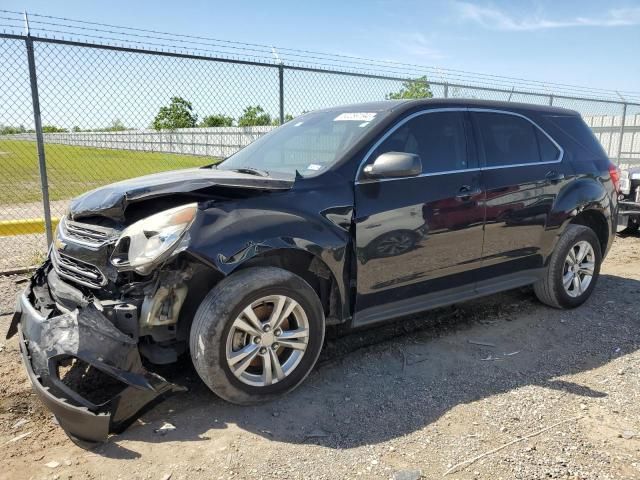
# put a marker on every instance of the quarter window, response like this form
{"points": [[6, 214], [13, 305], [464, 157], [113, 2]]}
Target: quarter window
{"points": [[512, 140], [548, 151], [438, 138]]}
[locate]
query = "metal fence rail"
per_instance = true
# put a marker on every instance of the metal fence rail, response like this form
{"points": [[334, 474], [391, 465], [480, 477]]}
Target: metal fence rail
{"points": [[78, 114], [218, 142]]}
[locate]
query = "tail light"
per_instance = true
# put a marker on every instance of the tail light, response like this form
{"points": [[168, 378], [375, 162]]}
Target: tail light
{"points": [[614, 173]]}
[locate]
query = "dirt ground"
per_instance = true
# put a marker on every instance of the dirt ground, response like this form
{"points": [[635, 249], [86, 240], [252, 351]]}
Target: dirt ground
{"points": [[550, 394]]}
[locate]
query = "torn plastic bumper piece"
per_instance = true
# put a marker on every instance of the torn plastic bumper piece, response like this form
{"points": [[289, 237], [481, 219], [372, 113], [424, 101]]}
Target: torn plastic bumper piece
{"points": [[86, 340]]}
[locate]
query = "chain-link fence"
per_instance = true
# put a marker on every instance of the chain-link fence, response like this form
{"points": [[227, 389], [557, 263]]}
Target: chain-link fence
{"points": [[75, 115]]}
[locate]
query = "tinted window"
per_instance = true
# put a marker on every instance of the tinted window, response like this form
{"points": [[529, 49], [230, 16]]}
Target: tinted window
{"points": [[575, 127], [548, 151], [438, 138], [512, 140]]}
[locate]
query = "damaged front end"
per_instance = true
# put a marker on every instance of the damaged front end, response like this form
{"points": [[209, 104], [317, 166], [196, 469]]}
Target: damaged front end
{"points": [[120, 288], [107, 297], [84, 368]]}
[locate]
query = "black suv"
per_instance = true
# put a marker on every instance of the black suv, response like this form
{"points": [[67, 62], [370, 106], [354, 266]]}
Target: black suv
{"points": [[346, 216]]}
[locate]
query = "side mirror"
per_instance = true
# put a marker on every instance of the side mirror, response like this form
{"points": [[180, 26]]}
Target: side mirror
{"points": [[394, 164]]}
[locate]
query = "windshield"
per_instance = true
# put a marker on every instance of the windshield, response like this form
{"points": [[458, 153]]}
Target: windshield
{"points": [[309, 144]]}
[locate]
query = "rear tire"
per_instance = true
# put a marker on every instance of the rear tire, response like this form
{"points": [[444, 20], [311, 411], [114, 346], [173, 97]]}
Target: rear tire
{"points": [[257, 335], [573, 269]]}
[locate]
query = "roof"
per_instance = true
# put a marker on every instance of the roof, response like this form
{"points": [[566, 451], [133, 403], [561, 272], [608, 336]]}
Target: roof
{"points": [[388, 105]]}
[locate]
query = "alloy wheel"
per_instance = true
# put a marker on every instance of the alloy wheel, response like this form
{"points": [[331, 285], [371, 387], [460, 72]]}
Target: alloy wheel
{"points": [[267, 340], [579, 267]]}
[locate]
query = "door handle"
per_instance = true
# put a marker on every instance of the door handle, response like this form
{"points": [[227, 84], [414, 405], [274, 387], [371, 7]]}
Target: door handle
{"points": [[554, 177], [466, 192]]}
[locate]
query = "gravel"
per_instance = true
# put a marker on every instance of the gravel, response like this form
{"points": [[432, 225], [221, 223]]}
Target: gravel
{"points": [[530, 391]]}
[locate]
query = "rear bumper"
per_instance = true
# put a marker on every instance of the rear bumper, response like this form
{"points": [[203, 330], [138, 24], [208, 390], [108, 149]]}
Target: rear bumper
{"points": [[110, 387]]}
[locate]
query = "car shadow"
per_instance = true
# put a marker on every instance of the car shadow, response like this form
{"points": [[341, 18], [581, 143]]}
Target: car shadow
{"points": [[374, 385]]}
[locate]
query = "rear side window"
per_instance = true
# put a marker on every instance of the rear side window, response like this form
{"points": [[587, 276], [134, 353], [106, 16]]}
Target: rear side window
{"points": [[576, 128], [438, 138], [512, 140]]}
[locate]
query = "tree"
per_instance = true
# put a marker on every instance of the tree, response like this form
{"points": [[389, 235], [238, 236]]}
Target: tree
{"points": [[418, 88], [218, 120], [276, 121], [116, 126], [254, 117], [76, 129], [53, 129], [8, 130], [179, 114]]}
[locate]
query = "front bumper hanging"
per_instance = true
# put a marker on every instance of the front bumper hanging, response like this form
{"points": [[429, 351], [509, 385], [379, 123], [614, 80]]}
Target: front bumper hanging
{"points": [[105, 360]]}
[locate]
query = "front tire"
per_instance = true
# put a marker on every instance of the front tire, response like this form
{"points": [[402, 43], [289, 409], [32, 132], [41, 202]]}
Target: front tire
{"points": [[257, 335], [573, 269]]}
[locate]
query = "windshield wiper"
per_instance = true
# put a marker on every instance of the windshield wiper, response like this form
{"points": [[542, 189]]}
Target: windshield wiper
{"points": [[251, 171]]}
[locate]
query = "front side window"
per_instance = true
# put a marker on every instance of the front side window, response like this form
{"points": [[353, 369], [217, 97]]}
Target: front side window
{"points": [[438, 138], [512, 140]]}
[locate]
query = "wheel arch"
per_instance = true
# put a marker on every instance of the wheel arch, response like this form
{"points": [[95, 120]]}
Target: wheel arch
{"points": [[584, 201], [596, 221], [310, 267]]}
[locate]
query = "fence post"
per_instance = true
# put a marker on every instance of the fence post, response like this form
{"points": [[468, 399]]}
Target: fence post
{"points": [[624, 116], [44, 183], [446, 90], [550, 100], [281, 91]]}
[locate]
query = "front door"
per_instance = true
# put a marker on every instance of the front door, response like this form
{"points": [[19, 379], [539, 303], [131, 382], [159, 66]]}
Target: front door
{"points": [[419, 238]]}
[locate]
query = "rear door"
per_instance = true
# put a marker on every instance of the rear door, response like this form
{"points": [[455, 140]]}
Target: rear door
{"points": [[522, 171], [419, 236]]}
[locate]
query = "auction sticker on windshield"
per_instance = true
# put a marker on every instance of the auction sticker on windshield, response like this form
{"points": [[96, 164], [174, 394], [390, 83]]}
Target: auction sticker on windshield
{"points": [[355, 117]]}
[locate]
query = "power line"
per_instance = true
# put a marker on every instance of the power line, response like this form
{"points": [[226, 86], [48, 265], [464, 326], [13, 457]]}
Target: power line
{"points": [[312, 52], [347, 63]]}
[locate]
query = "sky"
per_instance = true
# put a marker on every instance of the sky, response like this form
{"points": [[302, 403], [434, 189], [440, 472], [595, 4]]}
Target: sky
{"points": [[588, 43]]}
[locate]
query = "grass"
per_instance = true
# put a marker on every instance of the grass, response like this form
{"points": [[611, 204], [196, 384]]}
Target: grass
{"points": [[74, 170]]}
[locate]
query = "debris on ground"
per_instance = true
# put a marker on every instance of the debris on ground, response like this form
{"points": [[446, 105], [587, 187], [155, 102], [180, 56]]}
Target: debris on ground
{"points": [[316, 434], [407, 475], [19, 437], [19, 423], [482, 344], [165, 428]]}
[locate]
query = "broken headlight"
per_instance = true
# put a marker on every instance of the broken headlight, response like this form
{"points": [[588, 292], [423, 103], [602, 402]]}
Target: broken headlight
{"points": [[152, 239]]}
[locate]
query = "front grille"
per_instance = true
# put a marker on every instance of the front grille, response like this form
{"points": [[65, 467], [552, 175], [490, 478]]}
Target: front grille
{"points": [[86, 234], [77, 271]]}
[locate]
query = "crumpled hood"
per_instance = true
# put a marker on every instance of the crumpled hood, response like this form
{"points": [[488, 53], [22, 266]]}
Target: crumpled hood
{"points": [[111, 200]]}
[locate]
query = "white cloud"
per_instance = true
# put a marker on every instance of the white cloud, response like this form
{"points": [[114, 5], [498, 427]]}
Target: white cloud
{"points": [[492, 17], [418, 44]]}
